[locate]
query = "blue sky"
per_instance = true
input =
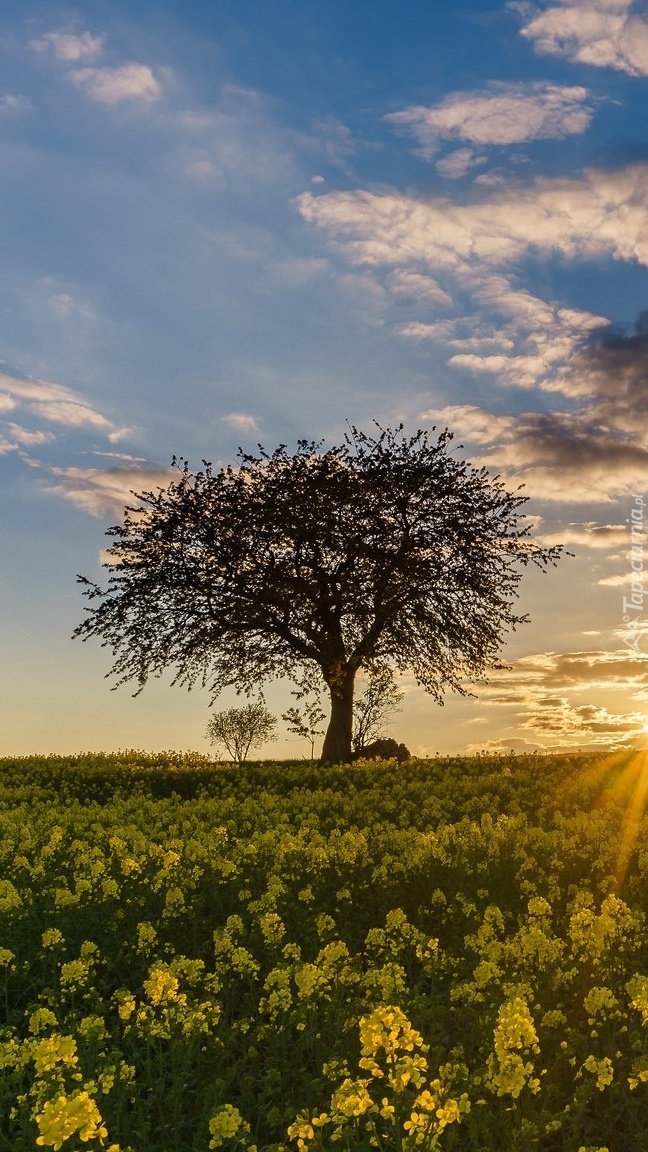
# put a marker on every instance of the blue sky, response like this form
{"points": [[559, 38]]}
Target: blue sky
{"points": [[224, 223]]}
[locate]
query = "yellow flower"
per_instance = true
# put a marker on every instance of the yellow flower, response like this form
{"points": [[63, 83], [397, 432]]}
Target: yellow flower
{"points": [[146, 936], [538, 906], [272, 928], [54, 1050], [388, 1028], [443, 1112], [302, 1131], [448, 1113], [51, 938], [418, 1122], [74, 973], [387, 1110], [161, 986], [639, 1072], [228, 1124], [41, 1020], [64, 1116], [126, 1003], [637, 989], [508, 1072], [599, 1001], [352, 1098], [408, 1070], [603, 1069]]}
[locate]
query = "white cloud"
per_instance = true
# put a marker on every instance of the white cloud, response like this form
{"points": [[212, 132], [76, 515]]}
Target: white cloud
{"points": [[600, 213], [603, 33], [589, 535], [72, 413], [241, 421], [531, 340], [560, 456], [438, 330], [415, 286], [544, 673], [106, 492], [11, 103], [484, 344], [64, 306], [540, 688], [54, 403], [335, 140], [617, 581], [130, 81], [457, 164], [29, 439], [501, 114], [574, 722], [114, 85], [471, 247], [68, 47]]}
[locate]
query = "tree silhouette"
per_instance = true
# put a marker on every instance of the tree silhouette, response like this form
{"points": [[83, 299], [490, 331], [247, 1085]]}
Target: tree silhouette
{"points": [[306, 723], [379, 700], [385, 551], [240, 729]]}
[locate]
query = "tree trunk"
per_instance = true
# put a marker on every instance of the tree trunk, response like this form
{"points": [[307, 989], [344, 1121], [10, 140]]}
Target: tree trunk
{"points": [[337, 742]]}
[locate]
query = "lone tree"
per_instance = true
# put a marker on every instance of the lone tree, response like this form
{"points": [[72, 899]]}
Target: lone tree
{"points": [[386, 551], [306, 723], [239, 729], [377, 703]]}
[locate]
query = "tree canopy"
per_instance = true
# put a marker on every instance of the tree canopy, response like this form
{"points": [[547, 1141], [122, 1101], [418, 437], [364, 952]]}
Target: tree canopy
{"points": [[240, 729], [387, 551]]}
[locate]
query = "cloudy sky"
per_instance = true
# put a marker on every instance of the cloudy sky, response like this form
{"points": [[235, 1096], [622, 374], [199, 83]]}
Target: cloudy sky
{"points": [[259, 219]]}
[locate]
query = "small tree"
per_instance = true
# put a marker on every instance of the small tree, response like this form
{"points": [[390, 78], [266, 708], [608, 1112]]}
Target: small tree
{"points": [[307, 723], [386, 551], [378, 702], [240, 729]]}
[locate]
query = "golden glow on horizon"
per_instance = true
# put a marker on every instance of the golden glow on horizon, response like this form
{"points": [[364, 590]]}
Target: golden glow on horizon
{"points": [[636, 776], [617, 781]]}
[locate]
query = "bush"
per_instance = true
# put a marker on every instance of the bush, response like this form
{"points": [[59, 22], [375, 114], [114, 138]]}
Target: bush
{"points": [[384, 749]]}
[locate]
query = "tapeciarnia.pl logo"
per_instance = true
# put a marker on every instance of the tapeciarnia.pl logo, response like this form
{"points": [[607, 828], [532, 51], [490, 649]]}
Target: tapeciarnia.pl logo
{"points": [[633, 604]]}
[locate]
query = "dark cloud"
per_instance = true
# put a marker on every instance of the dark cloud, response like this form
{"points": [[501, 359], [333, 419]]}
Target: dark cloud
{"points": [[540, 677], [561, 456], [586, 720], [613, 375], [540, 687]]}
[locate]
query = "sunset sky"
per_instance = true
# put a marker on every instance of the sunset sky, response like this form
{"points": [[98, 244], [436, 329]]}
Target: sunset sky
{"points": [[256, 220]]}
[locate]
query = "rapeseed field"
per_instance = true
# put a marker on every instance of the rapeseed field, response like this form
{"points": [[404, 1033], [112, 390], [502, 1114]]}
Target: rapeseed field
{"points": [[447, 954]]}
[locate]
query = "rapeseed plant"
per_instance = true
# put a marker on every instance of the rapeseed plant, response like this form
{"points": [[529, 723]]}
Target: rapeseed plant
{"points": [[394, 1113], [65, 1116], [430, 957], [514, 1038]]}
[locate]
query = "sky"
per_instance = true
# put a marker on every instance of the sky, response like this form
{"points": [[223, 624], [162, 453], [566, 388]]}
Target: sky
{"points": [[258, 220]]}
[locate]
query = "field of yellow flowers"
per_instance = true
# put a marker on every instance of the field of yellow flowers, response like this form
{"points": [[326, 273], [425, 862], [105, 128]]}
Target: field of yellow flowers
{"points": [[447, 954]]}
